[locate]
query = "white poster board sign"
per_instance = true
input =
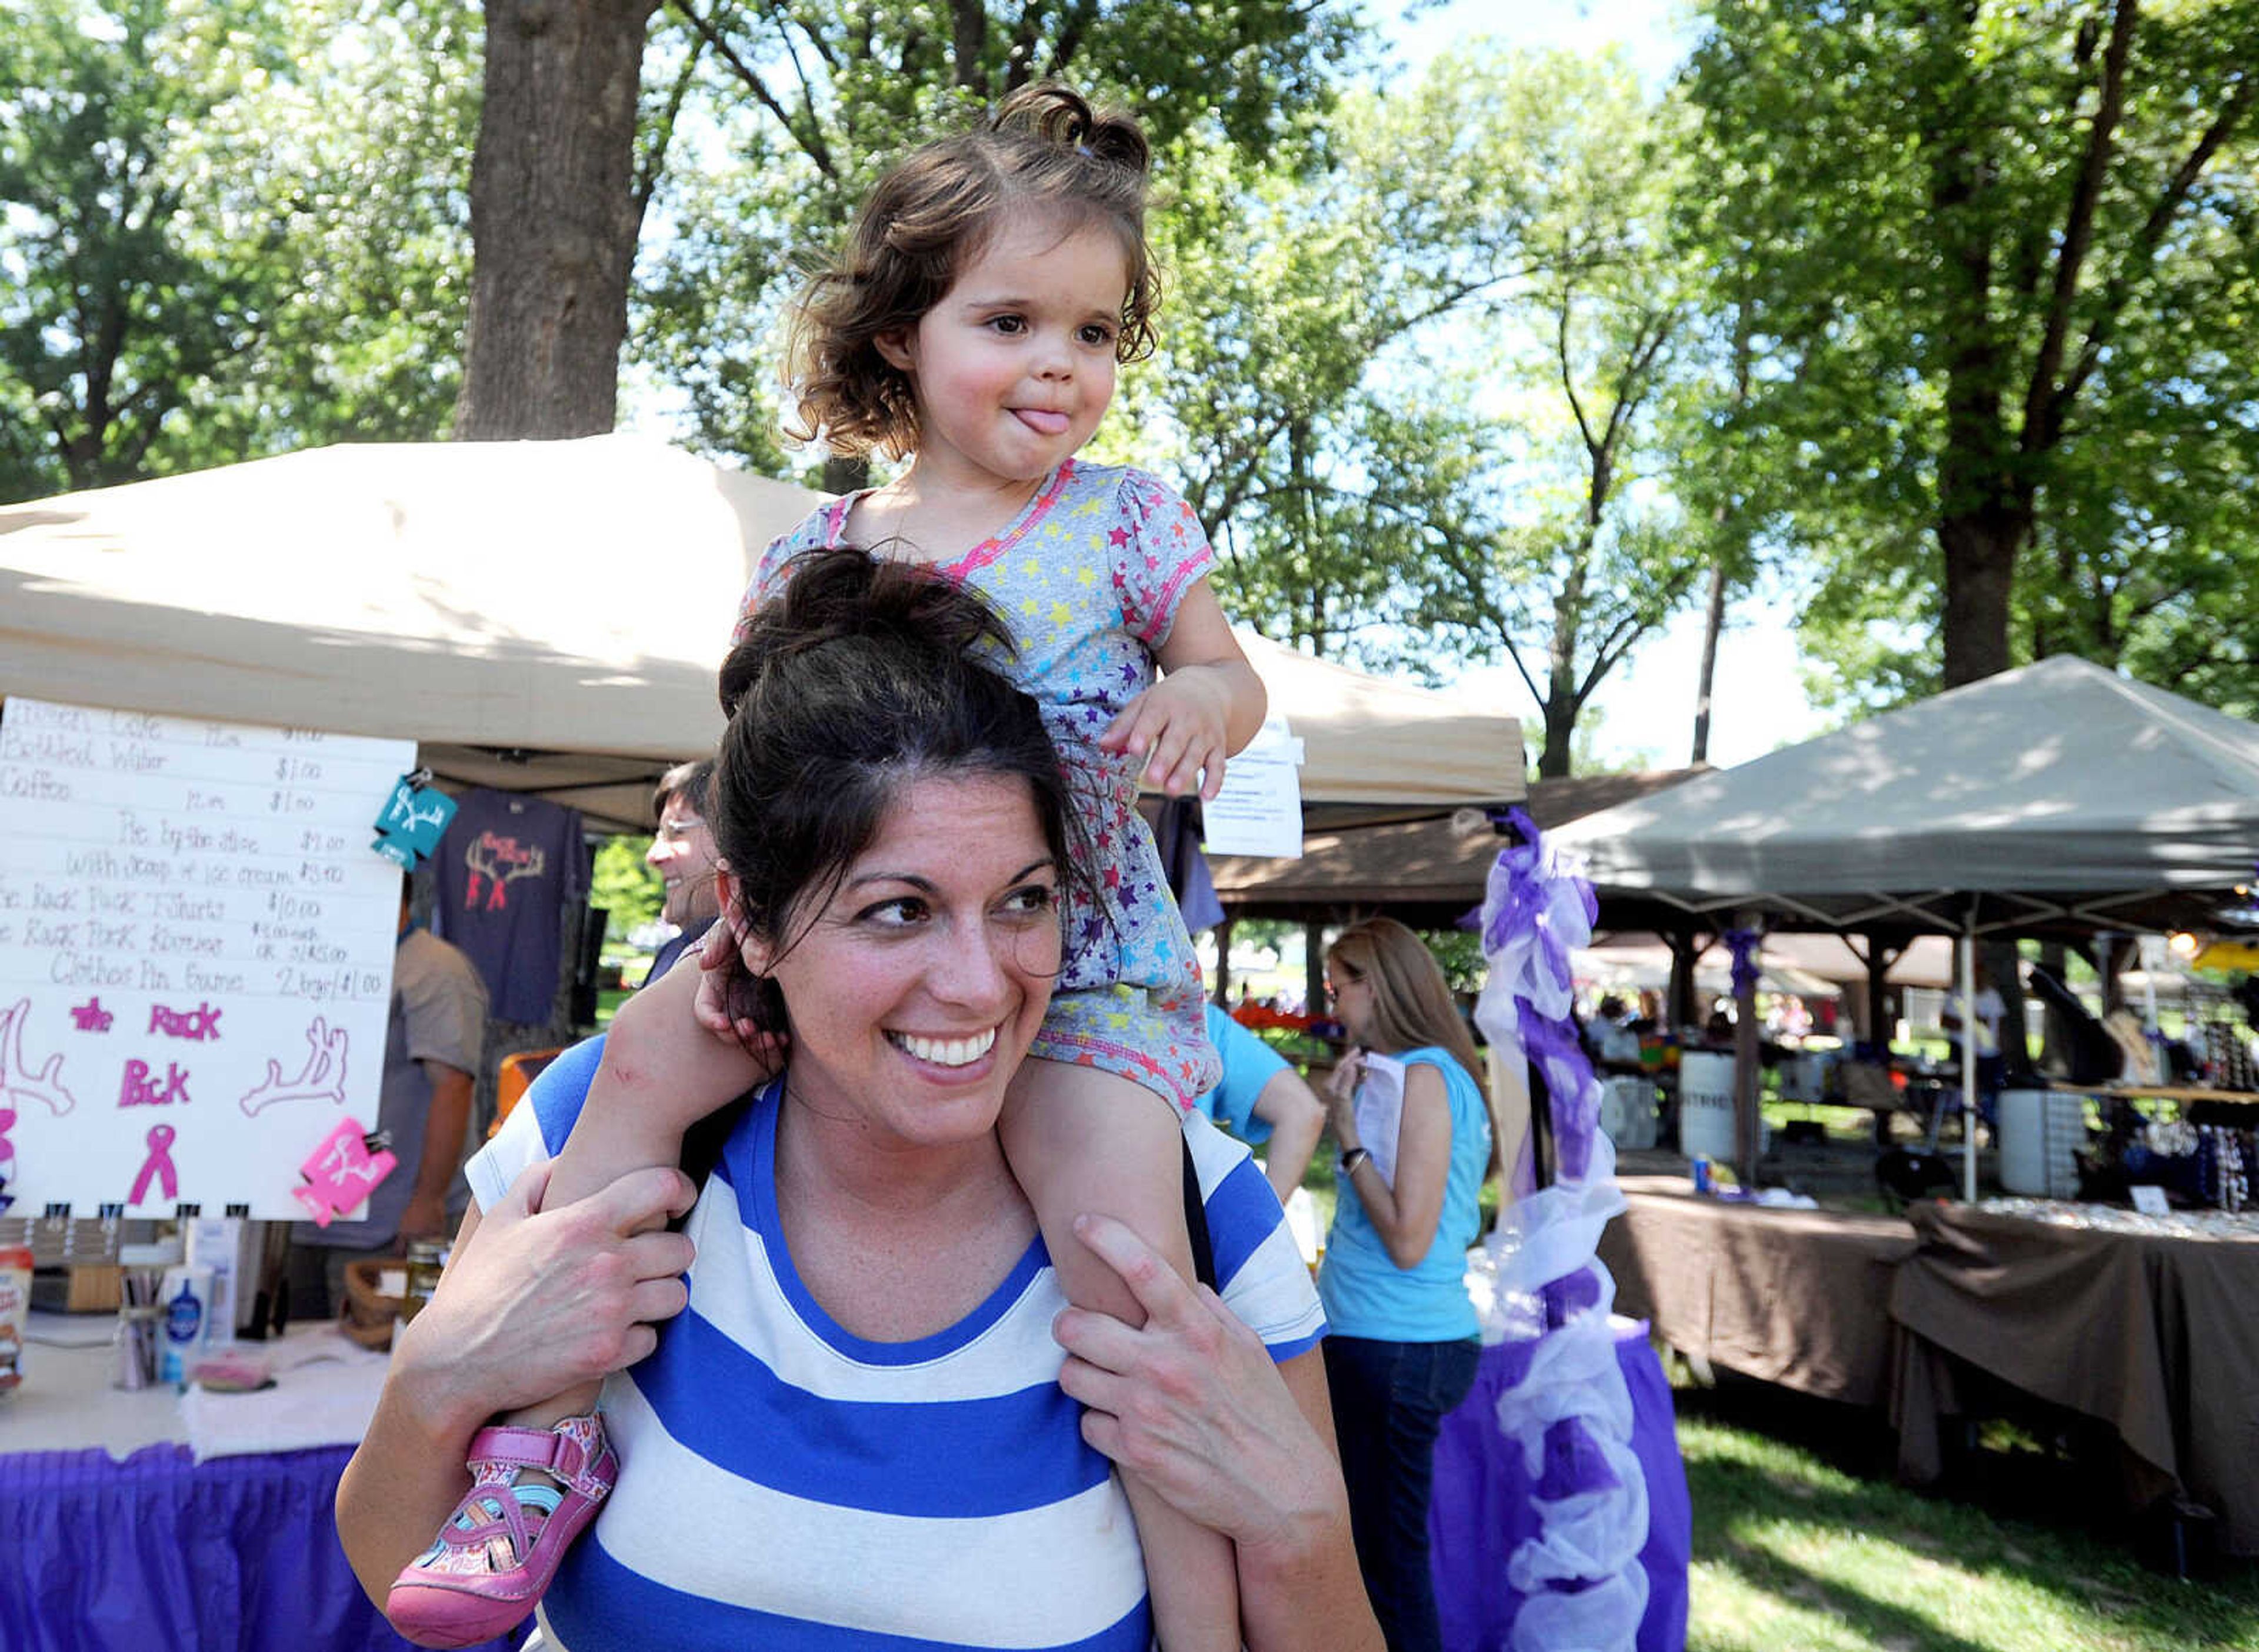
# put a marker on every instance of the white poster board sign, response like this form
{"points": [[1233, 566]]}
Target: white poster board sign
{"points": [[1258, 809], [196, 955]]}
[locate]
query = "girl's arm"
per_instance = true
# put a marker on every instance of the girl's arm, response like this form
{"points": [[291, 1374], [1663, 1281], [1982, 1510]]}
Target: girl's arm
{"points": [[1404, 1213], [1209, 704], [533, 1302], [1192, 1403]]}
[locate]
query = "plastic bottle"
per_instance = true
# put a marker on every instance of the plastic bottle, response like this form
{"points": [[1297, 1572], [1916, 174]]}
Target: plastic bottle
{"points": [[186, 1294]]}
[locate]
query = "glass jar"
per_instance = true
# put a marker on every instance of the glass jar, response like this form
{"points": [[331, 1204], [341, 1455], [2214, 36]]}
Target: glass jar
{"points": [[427, 1258]]}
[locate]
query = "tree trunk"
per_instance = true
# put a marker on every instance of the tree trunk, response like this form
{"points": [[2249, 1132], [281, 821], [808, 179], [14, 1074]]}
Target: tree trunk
{"points": [[1713, 621], [1980, 550], [1560, 713], [554, 218]]}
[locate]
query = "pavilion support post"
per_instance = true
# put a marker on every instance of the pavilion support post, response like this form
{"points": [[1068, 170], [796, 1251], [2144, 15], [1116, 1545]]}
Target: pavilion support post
{"points": [[1968, 973], [1684, 948], [1878, 995], [1748, 1120]]}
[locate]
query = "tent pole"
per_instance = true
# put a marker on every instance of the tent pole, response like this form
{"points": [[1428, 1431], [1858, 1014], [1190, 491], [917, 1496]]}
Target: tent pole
{"points": [[1748, 1117], [1968, 972]]}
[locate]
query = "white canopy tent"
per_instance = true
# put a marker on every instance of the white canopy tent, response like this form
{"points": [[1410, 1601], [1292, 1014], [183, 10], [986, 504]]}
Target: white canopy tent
{"points": [[543, 617], [2059, 793]]}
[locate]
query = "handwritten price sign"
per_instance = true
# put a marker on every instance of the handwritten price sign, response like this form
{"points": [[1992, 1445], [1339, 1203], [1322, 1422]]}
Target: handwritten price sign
{"points": [[196, 954]]}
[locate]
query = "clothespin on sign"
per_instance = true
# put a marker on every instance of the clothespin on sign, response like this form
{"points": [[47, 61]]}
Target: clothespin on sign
{"points": [[409, 827]]}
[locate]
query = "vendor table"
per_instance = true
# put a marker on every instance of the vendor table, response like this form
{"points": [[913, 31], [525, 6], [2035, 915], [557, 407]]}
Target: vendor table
{"points": [[182, 1547], [1796, 1297], [2156, 1334], [1481, 1513], [2152, 1333]]}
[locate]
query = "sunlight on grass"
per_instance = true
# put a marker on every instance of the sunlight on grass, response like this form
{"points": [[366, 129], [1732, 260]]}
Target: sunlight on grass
{"points": [[1791, 1553]]}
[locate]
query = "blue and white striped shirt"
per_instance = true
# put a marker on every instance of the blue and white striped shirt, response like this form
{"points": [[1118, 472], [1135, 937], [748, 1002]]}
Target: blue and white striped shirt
{"points": [[786, 1485]]}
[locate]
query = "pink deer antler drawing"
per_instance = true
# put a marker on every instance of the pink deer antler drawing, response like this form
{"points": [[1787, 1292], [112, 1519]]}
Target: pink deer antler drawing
{"points": [[18, 1082], [322, 1079]]}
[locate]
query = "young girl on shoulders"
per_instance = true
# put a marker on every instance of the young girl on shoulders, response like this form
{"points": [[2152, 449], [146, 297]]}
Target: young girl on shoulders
{"points": [[990, 289]]}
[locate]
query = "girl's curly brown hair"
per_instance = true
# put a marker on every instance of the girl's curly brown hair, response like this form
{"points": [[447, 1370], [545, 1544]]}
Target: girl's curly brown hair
{"points": [[1044, 152]]}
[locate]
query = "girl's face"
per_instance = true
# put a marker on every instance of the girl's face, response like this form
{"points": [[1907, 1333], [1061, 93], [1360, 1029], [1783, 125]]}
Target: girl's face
{"points": [[914, 995], [1013, 367]]}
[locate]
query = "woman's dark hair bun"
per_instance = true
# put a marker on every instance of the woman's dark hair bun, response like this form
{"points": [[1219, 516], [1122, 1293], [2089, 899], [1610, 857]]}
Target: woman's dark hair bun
{"points": [[832, 594], [1060, 115]]}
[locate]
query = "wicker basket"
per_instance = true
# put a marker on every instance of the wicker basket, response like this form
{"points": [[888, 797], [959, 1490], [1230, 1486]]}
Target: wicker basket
{"points": [[367, 1315]]}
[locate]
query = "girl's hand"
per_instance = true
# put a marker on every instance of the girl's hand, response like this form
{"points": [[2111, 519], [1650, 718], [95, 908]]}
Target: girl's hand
{"points": [[720, 1007], [1181, 727]]}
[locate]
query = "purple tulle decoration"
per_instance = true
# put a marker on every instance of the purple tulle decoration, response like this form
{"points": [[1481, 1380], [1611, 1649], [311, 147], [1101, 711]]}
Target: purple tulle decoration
{"points": [[1548, 1296]]}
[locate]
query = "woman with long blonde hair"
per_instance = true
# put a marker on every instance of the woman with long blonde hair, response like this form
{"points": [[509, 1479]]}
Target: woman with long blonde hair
{"points": [[1404, 1345]]}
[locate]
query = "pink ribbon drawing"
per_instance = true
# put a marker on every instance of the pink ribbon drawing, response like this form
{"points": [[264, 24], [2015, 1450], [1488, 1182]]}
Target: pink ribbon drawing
{"points": [[159, 1164]]}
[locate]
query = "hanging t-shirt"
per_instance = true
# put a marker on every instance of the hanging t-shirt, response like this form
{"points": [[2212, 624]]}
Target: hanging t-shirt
{"points": [[507, 867]]}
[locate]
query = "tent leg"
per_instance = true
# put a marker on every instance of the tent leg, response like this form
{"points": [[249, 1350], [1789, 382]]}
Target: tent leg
{"points": [[1748, 1117], [1968, 972]]}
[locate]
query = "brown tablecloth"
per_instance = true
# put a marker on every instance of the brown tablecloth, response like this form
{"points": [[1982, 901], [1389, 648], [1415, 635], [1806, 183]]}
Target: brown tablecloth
{"points": [[2157, 1336], [1796, 1297]]}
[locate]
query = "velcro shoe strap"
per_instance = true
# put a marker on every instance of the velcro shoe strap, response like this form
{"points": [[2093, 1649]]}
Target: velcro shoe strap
{"points": [[542, 1448]]}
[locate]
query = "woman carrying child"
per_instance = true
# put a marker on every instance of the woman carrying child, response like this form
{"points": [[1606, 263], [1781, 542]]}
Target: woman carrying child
{"points": [[990, 288]]}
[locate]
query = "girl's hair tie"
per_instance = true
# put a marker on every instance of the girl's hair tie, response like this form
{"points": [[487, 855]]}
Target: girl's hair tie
{"points": [[1084, 151]]}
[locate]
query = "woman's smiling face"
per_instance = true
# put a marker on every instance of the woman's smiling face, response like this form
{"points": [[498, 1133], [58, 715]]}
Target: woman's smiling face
{"points": [[915, 995]]}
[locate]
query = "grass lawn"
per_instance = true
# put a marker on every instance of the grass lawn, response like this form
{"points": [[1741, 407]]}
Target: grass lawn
{"points": [[1795, 1554]]}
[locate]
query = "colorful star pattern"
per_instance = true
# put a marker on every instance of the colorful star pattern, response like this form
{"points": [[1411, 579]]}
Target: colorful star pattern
{"points": [[1090, 575]]}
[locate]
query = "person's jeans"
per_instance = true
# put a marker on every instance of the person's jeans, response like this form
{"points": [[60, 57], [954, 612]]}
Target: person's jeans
{"points": [[1389, 1401]]}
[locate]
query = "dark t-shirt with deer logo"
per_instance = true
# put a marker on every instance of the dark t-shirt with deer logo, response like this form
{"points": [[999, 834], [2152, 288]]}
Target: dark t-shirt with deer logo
{"points": [[507, 867]]}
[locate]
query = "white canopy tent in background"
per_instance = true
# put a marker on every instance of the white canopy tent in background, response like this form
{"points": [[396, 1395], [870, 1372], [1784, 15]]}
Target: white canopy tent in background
{"points": [[543, 617], [2059, 793]]}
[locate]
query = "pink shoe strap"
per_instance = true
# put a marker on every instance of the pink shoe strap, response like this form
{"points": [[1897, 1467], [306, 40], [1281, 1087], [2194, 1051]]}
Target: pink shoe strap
{"points": [[573, 1452]]}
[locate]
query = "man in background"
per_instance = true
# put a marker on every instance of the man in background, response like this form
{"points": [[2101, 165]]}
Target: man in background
{"points": [[431, 1044], [682, 854]]}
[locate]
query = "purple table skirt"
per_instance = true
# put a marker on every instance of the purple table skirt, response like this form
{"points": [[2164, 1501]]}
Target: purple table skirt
{"points": [[1481, 1510], [236, 1555]]}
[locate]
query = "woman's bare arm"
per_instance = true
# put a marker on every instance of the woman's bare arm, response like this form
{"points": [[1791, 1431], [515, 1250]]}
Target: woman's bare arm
{"points": [[1404, 1211]]}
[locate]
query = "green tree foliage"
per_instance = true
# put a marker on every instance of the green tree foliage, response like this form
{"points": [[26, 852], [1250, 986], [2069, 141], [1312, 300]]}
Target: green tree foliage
{"points": [[225, 231], [621, 883], [1410, 375], [1992, 258]]}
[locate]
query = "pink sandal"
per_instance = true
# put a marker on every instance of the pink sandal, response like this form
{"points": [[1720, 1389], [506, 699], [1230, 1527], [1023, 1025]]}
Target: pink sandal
{"points": [[464, 1588]]}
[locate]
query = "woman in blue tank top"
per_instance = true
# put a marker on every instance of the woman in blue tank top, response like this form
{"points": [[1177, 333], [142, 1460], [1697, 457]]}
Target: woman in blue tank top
{"points": [[1403, 1345]]}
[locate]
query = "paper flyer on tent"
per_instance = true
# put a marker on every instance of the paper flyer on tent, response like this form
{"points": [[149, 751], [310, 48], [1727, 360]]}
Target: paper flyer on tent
{"points": [[196, 955], [1381, 1112], [1259, 809]]}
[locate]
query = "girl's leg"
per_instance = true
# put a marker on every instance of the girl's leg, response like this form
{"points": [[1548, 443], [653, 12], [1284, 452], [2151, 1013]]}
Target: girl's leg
{"points": [[662, 1072], [1082, 1141]]}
